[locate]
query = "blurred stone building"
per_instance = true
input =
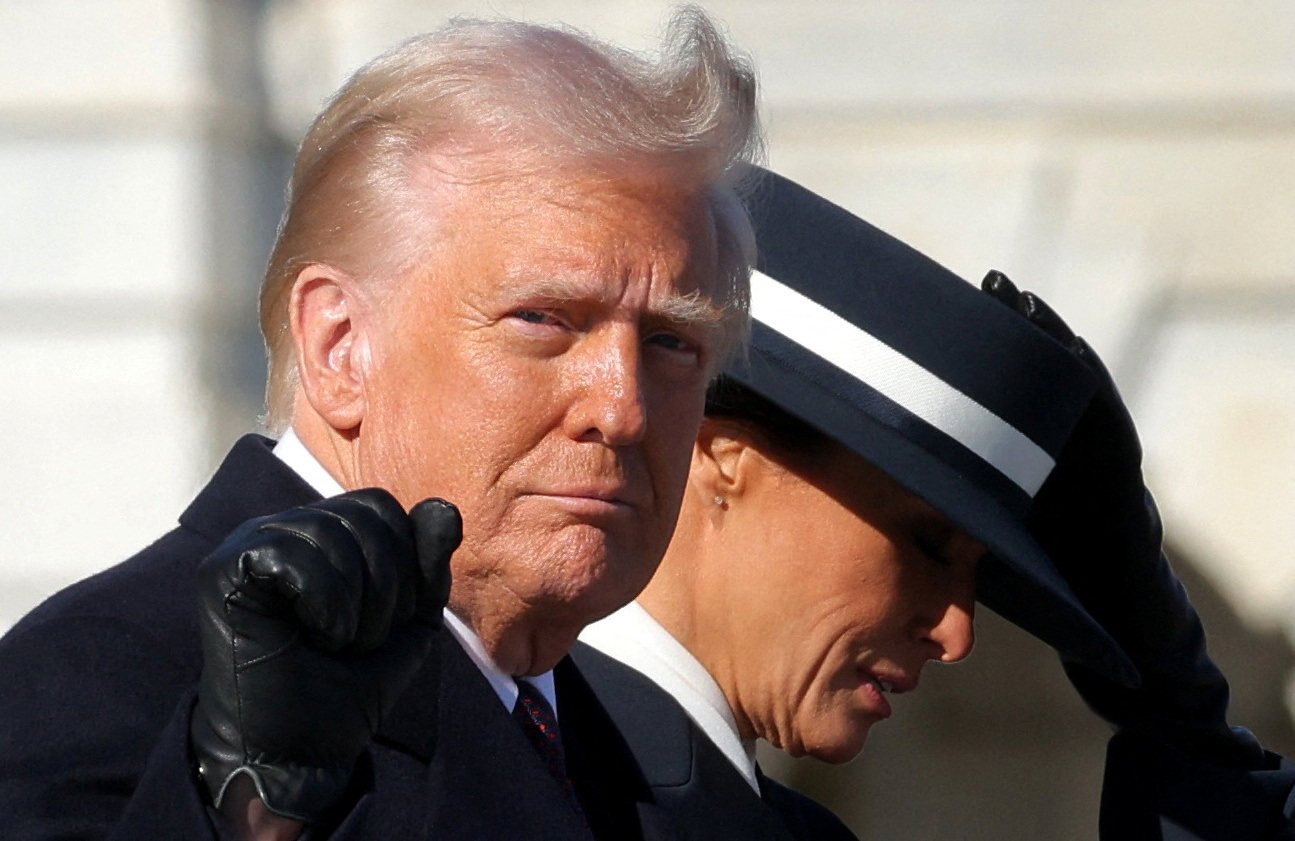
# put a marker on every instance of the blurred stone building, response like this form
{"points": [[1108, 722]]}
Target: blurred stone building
{"points": [[1131, 161]]}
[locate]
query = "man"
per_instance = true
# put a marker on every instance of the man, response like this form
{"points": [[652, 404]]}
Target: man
{"points": [[511, 261], [890, 425]]}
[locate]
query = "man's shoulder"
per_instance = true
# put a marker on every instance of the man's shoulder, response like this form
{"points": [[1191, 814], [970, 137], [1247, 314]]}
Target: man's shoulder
{"points": [[146, 595], [91, 677], [150, 593]]}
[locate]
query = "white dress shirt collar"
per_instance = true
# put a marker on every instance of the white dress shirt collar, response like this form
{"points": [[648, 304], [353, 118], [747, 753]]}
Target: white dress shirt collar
{"points": [[633, 637], [292, 452], [505, 685]]}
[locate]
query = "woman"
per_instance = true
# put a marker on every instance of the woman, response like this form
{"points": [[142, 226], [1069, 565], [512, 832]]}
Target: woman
{"points": [[857, 484]]}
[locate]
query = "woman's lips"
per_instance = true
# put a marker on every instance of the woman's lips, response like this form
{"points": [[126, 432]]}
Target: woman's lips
{"points": [[876, 686], [874, 693]]}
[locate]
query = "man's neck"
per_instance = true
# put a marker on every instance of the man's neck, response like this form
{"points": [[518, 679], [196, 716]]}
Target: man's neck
{"points": [[504, 684], [519, 640], [334, 451]]}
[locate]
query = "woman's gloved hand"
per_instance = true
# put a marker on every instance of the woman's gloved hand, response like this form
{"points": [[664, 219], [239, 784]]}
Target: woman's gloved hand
{"points": [[1099, 525]]}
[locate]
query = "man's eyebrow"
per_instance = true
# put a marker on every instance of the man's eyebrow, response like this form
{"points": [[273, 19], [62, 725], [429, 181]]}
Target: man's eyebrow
{"points": [[692, 309], [681, 309]]}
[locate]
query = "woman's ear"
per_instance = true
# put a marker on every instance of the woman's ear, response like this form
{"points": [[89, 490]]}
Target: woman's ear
{"points": [[723, 459], [331, 339]]}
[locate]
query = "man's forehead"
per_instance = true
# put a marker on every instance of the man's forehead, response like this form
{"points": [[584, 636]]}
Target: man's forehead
{"points": [[600, 252], [560, 233]]}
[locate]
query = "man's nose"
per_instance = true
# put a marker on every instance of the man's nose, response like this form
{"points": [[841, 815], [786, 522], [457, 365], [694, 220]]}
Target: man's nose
{"points": [[610, 406]]}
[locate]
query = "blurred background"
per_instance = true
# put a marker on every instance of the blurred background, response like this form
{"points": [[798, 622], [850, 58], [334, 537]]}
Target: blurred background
{"points": [[1131, 160]]}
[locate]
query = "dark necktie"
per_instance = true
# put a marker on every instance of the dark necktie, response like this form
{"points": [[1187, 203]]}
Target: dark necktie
{"points": [[538, 722]]}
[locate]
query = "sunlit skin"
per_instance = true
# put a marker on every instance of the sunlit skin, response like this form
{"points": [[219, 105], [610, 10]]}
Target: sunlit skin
{"points": [[808, 582], [544, 368]]}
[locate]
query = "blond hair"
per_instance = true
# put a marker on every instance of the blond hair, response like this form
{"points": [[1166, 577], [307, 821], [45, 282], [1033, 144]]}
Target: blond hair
{"points": [[535, 91]]}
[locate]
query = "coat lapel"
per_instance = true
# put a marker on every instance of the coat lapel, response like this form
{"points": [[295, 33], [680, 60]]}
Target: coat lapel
{"points": [[690, 778], [617, 799]]}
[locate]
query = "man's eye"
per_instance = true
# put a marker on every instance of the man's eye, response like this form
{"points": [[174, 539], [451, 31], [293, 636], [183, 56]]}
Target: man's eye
{"points": [[674, 343], [668, 341], [534, 317]]}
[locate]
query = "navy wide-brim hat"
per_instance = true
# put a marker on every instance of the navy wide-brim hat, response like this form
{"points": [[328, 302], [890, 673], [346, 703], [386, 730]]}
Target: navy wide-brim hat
{"points": [[958, 398]]}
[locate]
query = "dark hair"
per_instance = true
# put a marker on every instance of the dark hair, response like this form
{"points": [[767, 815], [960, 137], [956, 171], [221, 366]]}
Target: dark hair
{"points": [[730, 400]]}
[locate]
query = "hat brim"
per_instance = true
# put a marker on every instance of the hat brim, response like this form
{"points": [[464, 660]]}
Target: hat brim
{"points": [[1018, 580]]}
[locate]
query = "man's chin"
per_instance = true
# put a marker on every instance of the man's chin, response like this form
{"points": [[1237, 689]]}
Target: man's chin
{"points": [[537, 650], [592, 572], [552, 627]]}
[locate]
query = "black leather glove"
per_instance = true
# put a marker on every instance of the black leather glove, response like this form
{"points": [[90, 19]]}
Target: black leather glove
{"points": [[1097, 521], [312, 622]]}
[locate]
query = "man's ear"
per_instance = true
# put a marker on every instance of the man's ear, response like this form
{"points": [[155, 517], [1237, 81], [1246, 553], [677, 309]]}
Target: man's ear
{"points": [[331, 340]]}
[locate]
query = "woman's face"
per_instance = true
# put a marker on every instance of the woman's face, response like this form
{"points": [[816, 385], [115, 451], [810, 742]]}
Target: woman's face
{"points": [[838, 586]]}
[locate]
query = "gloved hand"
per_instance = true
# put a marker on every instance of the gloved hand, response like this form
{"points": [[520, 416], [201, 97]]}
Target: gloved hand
{"points": [[1098, 523], [312, 622]]}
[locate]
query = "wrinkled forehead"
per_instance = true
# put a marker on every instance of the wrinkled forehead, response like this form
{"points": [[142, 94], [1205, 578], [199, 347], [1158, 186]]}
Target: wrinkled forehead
{"points": [[580, 231]]}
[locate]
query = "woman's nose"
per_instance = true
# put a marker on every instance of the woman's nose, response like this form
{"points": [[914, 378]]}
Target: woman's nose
{"points": [[955, 632]]}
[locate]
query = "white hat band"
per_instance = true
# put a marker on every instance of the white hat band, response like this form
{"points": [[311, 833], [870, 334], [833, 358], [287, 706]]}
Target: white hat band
{"points": [[901, 380]]}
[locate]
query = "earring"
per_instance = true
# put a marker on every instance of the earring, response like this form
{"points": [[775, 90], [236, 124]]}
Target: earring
{"points": [[720, 501]]}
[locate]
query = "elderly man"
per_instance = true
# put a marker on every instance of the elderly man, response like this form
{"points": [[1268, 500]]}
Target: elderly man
{"points": [[512, 260]]}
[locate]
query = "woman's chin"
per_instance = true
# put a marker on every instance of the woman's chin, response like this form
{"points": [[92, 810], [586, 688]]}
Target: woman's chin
{"points": [[841, 748]]}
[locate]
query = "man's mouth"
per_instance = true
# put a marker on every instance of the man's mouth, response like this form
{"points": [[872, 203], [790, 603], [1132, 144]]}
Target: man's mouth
{"points": [[589, 500]]}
